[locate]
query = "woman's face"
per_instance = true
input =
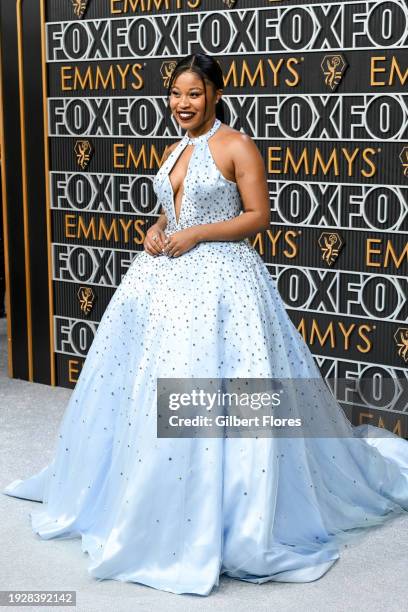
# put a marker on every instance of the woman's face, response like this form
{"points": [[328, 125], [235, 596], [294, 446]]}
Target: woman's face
{"points": [[187, 100]]}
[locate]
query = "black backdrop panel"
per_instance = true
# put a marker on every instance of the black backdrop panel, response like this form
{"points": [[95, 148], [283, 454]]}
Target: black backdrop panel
{"points": [[12, 182]]}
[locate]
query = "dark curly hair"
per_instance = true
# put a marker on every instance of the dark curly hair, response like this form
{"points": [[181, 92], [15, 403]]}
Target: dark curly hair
{"points": [[207, 68]]}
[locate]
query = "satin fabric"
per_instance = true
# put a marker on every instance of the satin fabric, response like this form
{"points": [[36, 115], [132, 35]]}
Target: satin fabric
{"points": [[175, 514]]}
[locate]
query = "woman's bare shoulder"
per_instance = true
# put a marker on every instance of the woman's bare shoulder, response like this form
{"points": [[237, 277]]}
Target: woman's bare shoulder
{"points": [[242, 150], [232, 137]]}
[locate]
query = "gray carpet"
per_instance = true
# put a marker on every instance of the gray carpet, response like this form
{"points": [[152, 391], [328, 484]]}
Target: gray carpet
{"points": [[371, 575]]}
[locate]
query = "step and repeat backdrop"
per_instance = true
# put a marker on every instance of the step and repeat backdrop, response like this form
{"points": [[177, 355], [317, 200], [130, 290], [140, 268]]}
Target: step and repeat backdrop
{"points": [[321, 88]]}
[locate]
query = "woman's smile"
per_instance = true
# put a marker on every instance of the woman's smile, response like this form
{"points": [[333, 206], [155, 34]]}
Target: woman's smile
{"points": [[185, 115]]}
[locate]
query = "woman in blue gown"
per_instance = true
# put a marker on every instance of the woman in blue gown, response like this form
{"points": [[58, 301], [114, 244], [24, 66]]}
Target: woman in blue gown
{"points": [[199, 302]]}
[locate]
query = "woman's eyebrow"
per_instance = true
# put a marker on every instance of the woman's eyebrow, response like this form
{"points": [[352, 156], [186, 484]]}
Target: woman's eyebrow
{"points": [[199, 88]]}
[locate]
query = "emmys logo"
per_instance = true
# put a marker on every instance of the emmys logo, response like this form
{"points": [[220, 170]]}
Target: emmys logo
{"points": [[333, 67], [404, 160], [330, 244], [401, 338], [80, 7], [86, 299], [83, 152], [230, 3], [166, 70]]}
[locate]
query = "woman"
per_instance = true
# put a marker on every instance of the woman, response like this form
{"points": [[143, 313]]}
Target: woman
{"points": [[199, 302]]}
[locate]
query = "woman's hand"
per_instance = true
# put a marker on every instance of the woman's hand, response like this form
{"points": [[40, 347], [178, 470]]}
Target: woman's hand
{"points": [[154, 240], [180, 242]]}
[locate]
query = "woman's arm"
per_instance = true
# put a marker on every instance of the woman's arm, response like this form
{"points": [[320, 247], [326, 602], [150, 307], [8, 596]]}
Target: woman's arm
{"points": [[162, 220], [253, 187]]}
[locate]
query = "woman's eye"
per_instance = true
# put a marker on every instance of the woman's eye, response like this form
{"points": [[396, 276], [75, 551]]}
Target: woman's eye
{"points": [[194, 93]]}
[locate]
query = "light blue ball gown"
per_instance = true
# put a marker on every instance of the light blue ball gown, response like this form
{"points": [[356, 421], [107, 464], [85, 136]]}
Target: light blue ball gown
{"points": [[174, 514]]}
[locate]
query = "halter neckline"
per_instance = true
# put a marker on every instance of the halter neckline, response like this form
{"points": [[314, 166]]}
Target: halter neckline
{"points": [[203, 137]]}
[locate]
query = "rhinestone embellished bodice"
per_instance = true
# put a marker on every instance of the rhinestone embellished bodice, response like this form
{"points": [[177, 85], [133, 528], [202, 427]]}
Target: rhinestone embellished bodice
{"points": [[208, 196]]}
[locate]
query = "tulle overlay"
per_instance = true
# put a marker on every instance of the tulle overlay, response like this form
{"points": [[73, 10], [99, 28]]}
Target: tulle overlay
{"points": [[174, 514]]}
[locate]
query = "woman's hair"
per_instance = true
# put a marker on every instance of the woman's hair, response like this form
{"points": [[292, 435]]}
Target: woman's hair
{"points": [[208, 69]]}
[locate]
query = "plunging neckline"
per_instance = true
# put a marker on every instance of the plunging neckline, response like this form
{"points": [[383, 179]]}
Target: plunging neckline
{"points": [[187, 140], [173, 195]]}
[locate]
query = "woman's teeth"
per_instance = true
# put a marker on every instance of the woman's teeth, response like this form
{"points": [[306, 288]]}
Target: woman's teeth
{"points": [[186, 115]]}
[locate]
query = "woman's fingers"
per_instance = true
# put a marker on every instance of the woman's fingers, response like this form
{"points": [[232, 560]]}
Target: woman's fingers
{"points": [[149, 250], [167, 244], [153, 245], [150, 247], [161, 236], [169, 247], [173, 251], [156, 246]]}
